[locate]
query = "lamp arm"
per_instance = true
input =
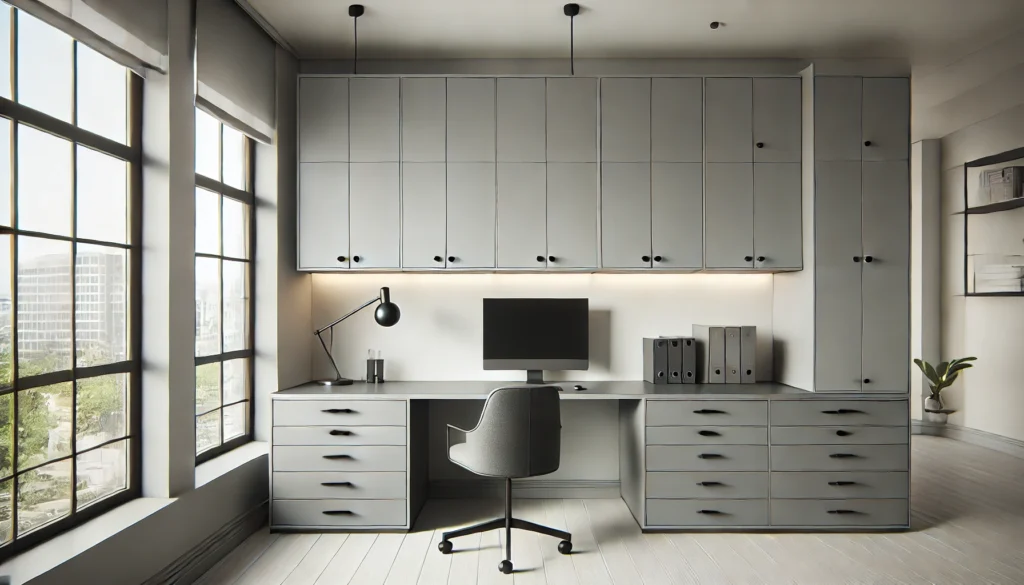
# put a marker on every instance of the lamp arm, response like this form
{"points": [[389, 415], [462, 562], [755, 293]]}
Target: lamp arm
{"points": [[363, 306]]}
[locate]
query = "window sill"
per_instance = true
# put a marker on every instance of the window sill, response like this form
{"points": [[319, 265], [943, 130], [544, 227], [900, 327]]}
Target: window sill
{"points": [[224, 464]]}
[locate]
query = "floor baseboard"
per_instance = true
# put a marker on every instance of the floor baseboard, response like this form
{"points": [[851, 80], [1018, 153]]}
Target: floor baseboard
{"points": [[525, 488], [985, 439]]}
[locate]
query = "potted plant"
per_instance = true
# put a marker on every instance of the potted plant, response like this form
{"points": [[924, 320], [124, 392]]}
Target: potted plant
{"points": [[939, 378]]}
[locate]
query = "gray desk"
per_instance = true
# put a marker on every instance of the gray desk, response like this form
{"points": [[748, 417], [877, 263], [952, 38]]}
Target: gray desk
{"points": [[691, 457]]}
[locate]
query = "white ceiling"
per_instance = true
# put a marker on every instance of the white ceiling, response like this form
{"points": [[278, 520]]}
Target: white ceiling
{"points": [[923, 31]]}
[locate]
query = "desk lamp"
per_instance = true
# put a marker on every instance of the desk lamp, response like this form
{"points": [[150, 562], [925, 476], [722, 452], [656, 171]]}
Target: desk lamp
{"points": [[386, 315]]}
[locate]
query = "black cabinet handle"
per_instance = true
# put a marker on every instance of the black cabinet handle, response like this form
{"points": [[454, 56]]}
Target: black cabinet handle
{"points": [[843, 512], [842, 483], [760, 258], [338, 410], [869, 258], [337, 433], [867, 143], [337, 456], [657, 258], [844, 456], [856, 258], [709, 483], [540, 258], [551, 258], [760, 145], [748, 258], [843, 411], [645, 258], [355, 258], [710, 456], [342, 259], [339, 513], [867, 380], [843, 433], [709, 433], [709, 512], [451, 258], [438, 259], [708, 411], [336, 483]]}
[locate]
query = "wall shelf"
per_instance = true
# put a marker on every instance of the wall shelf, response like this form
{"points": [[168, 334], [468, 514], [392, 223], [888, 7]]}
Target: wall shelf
{"points": [[993, 207], [993, 248]]}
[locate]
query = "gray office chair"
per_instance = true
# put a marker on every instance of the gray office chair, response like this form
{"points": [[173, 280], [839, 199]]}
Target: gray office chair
{"points": [[518, 435]]}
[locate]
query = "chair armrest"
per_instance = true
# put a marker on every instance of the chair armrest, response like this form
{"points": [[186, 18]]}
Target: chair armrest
{"points": [[455, 436]]}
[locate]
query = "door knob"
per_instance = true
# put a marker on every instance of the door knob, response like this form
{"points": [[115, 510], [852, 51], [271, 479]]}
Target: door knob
{"points": [[451, 258], [867, 380], [438, 259], [540, 258], [868, 258], [856, 258], [355, 258], [342, 258], [551, 258], [657, 258], [645, 258], [760, 258], [867, 143], [748, 258], [760, 145]]}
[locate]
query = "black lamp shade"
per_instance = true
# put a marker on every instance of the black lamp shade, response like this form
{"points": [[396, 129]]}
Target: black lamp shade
{"points": [[387, 314]]}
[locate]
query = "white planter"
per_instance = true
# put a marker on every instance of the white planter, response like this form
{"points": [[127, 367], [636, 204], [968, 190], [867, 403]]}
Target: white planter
{"points": [[934, 417]]}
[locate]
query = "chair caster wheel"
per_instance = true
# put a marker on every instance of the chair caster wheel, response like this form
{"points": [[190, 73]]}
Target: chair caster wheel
{"points": [[505, 567], [445, 546], [565, 547]]}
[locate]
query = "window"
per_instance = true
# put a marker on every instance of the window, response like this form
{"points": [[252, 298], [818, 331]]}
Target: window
{"points": [[69, 280], [224, 283]]}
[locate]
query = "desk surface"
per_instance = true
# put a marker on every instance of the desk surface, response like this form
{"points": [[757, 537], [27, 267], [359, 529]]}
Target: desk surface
{"points": [[622, 390]]}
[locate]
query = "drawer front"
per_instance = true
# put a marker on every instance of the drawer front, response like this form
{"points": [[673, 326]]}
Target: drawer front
{"points": [[840, 484], [707, 512], [316, 513], [840, 458], [707, 484], [894, 512], [325, 485], [707, 435], [707, 412], [304, 413], [339, 435], [707, 458], [840, 412], [339, 458], [839, 435]]}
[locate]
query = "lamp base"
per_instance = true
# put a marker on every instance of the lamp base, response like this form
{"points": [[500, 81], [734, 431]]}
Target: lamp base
{"points": [[337, 382]]}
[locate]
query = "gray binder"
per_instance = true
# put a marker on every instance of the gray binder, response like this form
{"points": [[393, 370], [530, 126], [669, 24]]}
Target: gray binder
{"points": [[689, 370], [732, 355], [748, 354], [710, 353], [676, 344], [656, 360]]}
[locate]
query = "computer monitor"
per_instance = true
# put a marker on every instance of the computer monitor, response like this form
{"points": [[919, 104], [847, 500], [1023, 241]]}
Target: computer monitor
{"points": [[536, 335]]}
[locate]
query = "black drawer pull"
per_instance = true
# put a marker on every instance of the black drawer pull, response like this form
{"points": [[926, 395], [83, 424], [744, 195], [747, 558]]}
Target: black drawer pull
{"points": [[710, 456], [843, 512], [338, 411], [844, 456], [336, 483], [337, 457], [337, 433], [843, 433], [842, 483], [710, 512], [708, 411], [709, 433], [339, 513], [709, 483], [843, 411]]}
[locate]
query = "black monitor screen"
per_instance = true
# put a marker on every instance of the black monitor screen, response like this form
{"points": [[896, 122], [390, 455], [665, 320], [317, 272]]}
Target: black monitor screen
{"points": [[544, 331]]}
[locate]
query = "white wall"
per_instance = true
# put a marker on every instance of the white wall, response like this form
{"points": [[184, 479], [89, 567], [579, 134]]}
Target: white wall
{"points": [[925, 263]]}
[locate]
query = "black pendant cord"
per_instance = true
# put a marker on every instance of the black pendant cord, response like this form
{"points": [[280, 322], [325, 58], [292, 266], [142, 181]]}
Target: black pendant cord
{"points": [[355, 11], [571, 10]]}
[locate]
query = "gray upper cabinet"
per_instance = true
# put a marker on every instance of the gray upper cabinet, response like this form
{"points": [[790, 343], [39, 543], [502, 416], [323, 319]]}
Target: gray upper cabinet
{"points": [[374, 215], [837, 118], [522, 215], [323, 119], [572, 119], [677, 215], [729, 215], [677, 119], [572, 215], [778, 244], [625, 119], [423, 119], [777, 119], [625, 215], [424, 215], [728, 120], [323, 216], [471, 209], [373, 122], [521, 120], [470, 120], [886, 118]]}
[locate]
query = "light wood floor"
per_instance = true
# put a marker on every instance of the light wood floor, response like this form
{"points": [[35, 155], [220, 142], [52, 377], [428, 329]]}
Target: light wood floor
{"points": [[967, 527]]}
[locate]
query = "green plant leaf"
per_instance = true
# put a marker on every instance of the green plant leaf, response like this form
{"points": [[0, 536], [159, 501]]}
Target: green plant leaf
{"points": [[942, 368], [919, 364], [955, 370], [931, 373]]}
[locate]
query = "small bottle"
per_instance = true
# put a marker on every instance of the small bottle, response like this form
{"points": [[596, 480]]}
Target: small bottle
{"points": [[371, 367], [379, 367]]}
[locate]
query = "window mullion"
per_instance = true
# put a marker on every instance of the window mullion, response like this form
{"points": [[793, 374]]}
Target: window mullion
{"points": [[74, 279]]}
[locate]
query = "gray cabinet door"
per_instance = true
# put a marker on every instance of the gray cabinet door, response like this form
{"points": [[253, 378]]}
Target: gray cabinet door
{"points": [[423, 119], [625, 119], [471, 208], [374, 215], [778, 224], [677, 215], [323, 119], [625, 215], [677, 119], [521, 120], [886, 279], [728, 120], [323, 215], [572, 215], [837, 118], [837, 277], [572, 119], [777, 119], [471, 120], [729, 215], [522, 215], [424, 215], [373, 124], [886, 131]]}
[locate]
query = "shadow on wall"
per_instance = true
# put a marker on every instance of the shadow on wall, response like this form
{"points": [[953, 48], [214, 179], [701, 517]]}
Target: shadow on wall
{"points": [[601, 340]]}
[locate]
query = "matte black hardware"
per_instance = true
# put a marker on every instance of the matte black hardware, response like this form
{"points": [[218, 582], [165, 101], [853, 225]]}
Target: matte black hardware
{"points": [[339, 513], [867, 380], [645, 258], [856, 258], [336, 483], [709, 433], [843, 512], [760, 258], [714, 25], [717, 371], [843, 433], [355, 258], [657, 258], [760, 145], [843, 411], [451, 258], [749, 372], [338, 410], [709, 512], [342, 259], [708, 411], [342, 456], [710, 456], [438, 259], [867, 143], [551, 258], [709, 483], [540, 258], [842, 483], [748, 258], [869, 258], [844, 456], [337, 433]]}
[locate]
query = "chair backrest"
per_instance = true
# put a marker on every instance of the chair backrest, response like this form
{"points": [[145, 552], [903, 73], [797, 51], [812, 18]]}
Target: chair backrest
{"points": [[519, 432]]}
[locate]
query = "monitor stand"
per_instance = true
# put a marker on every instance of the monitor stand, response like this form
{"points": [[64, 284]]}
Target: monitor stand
{"points": [[534, 376]]}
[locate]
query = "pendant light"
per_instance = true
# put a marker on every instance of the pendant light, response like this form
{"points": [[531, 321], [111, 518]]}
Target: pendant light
{"points": [[355, 11], [571, 10]]}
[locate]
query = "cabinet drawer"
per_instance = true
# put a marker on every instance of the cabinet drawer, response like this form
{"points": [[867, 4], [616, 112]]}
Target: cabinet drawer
{"points": [[840, 412], [301, 413], [315, 513], [840, 458], [707, 412], [323, 485], [839, 435], [707, 512], [894, 512], [707, 458], [707, 435], [339, 435], [840, 484], [707, 484], [340, 458]]}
